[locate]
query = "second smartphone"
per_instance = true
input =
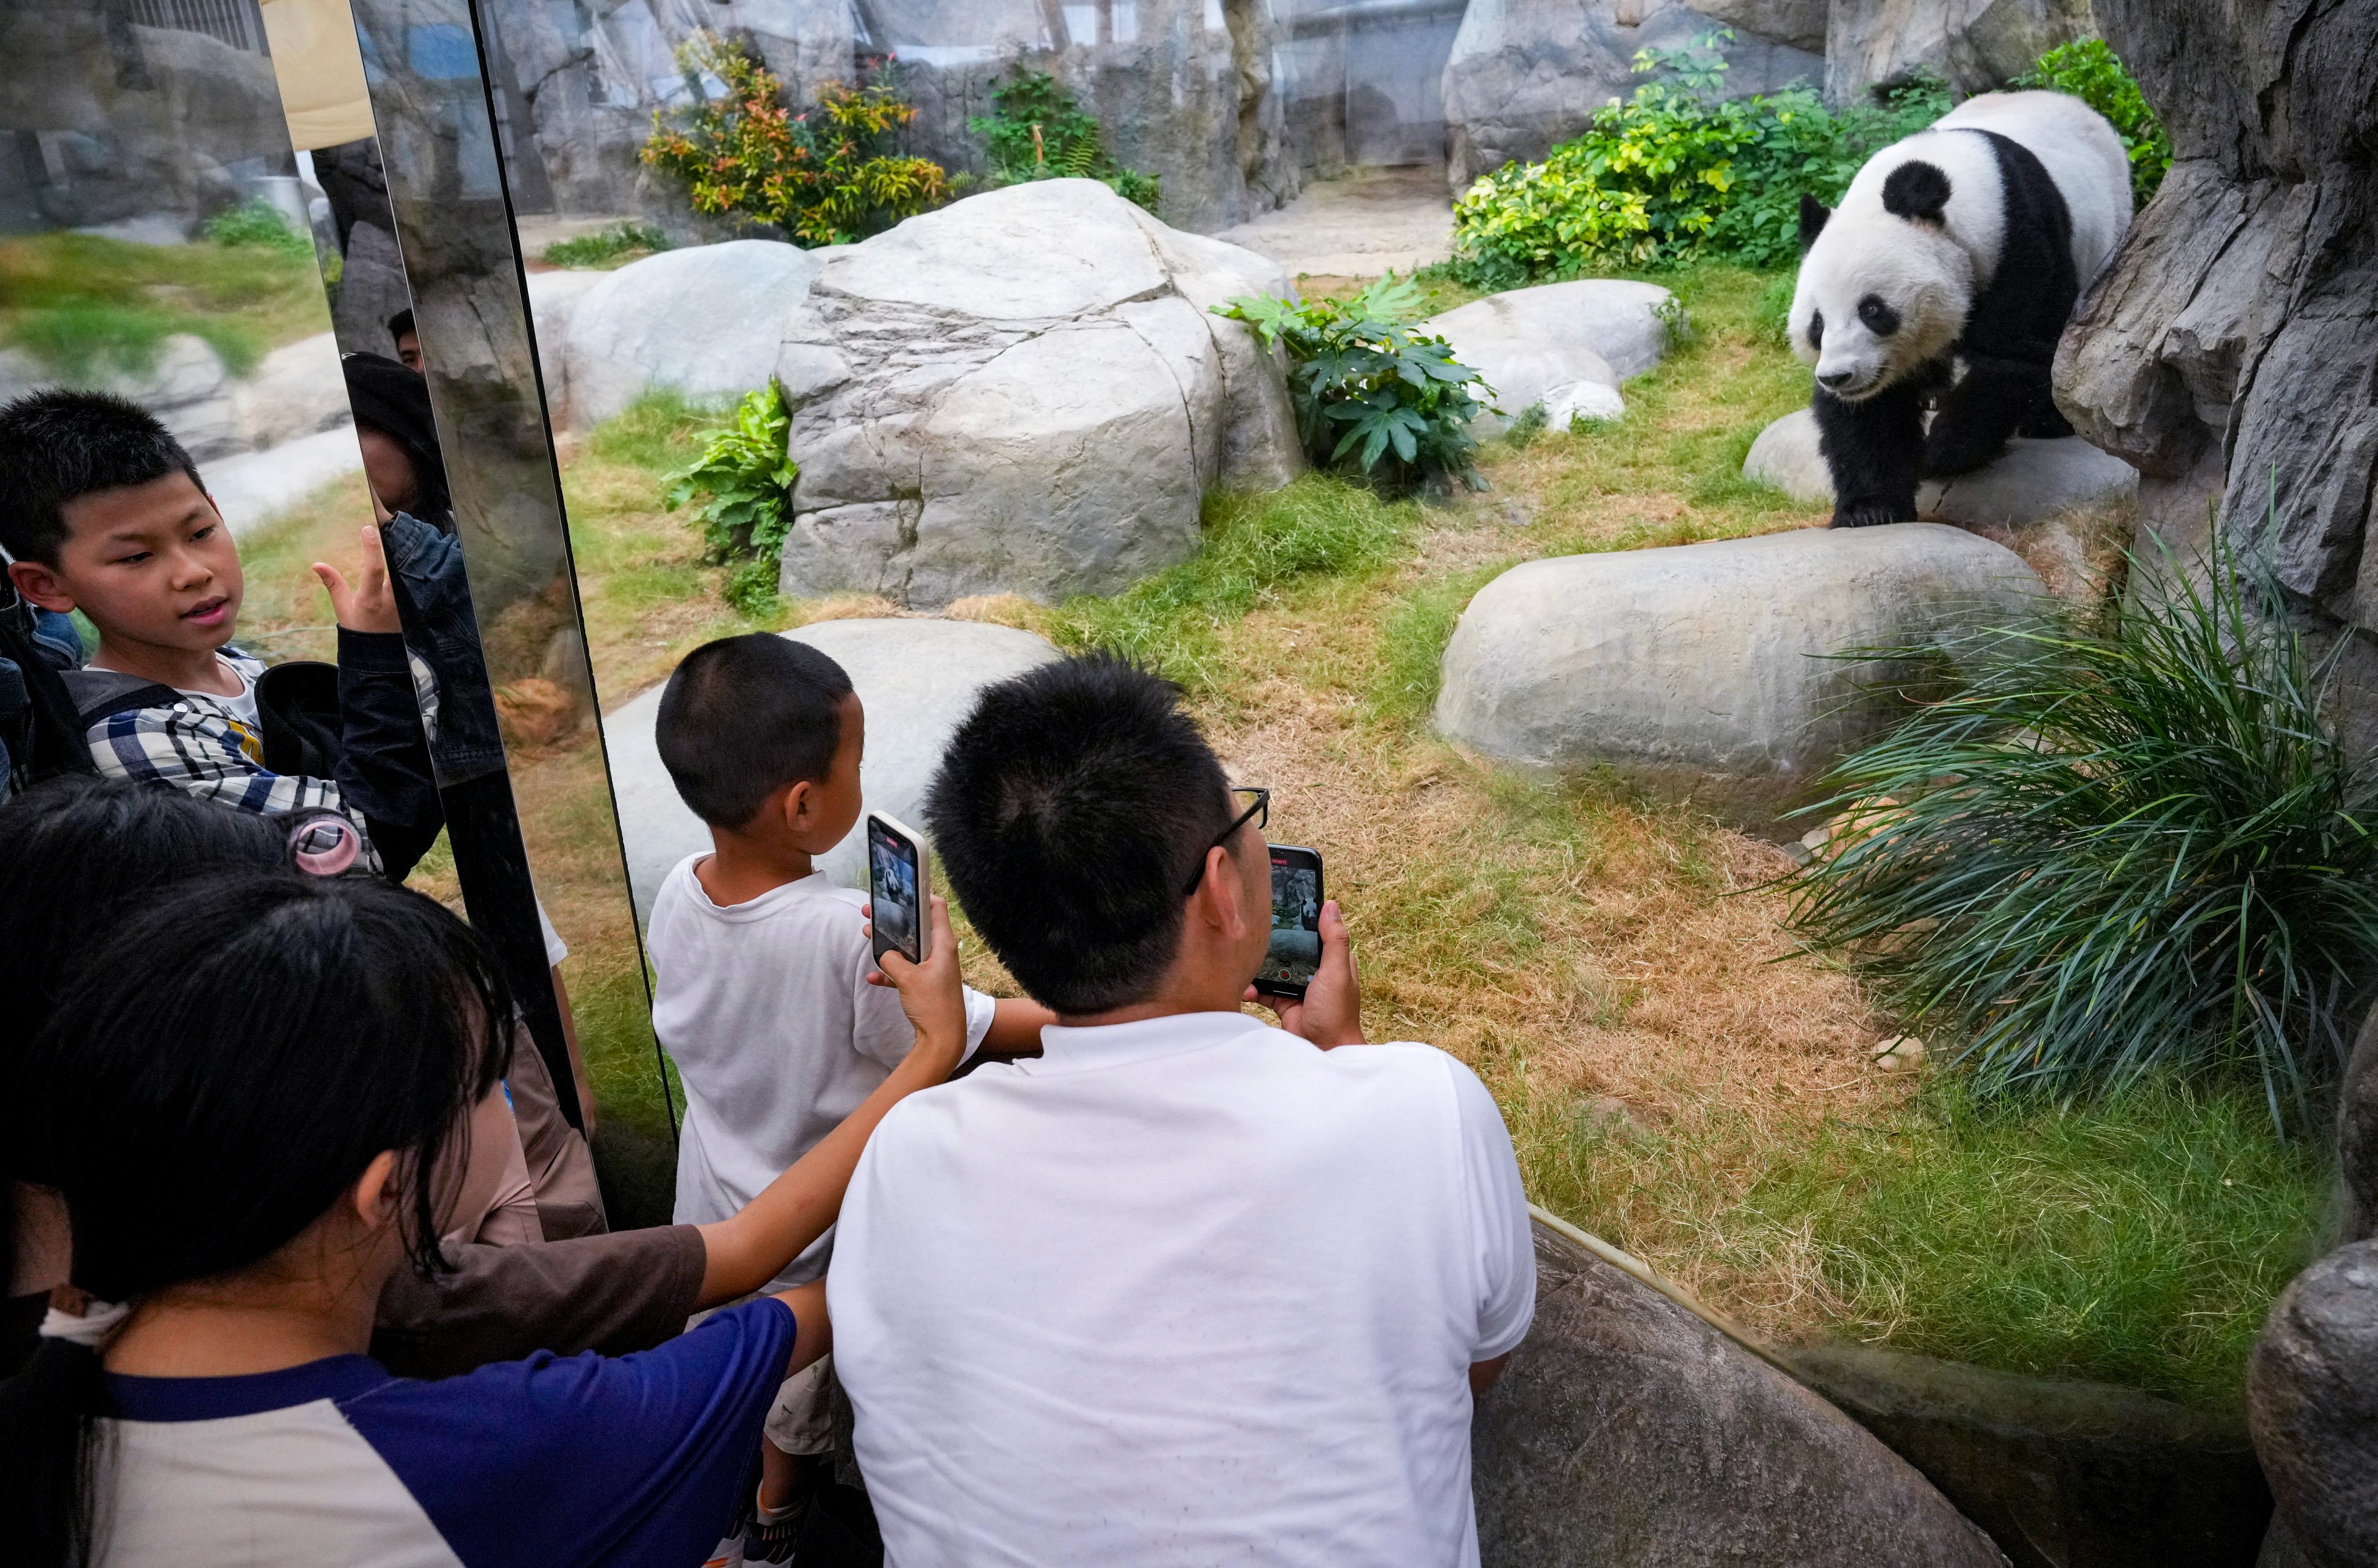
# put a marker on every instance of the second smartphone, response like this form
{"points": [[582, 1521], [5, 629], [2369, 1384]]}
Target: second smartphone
{"points": [[1295, 951], [900, 884]]}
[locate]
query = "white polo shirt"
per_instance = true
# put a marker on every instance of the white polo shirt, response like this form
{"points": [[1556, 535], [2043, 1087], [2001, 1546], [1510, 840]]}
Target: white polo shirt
{"points": [[1187, 1291]]}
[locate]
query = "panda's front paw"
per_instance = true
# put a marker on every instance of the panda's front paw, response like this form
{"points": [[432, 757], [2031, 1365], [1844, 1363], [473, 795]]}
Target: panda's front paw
{"points": [[1870, 514]]}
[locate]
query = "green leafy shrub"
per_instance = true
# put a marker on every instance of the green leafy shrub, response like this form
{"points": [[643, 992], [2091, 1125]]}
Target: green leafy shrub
{"points": [[743, 482], [1035, 131], [1371, 396], [260, 225], [1675, 175], [2102, 854], [2090, 71], [604, 247], [827, 174]]}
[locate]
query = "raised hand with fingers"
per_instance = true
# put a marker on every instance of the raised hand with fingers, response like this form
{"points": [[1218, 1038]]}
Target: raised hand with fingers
{"points": [[369, 605], [931, 993], [1330, 1013]]}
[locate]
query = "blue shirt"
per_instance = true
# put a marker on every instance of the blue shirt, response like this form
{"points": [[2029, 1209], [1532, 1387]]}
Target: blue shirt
{"points": [[633, 1460]]}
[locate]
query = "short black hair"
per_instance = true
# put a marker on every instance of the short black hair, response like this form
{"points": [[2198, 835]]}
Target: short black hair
{"points": [[400, 324], [1070, 808], [58, 446], [745, 716]]}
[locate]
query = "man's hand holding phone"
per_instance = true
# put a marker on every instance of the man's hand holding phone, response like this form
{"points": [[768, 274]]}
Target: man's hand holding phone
{"points": [[930, 993], [1330, 1013]]}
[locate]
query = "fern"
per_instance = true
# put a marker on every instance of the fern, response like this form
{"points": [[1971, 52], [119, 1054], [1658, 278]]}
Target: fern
{"points": [[1038, 132]]}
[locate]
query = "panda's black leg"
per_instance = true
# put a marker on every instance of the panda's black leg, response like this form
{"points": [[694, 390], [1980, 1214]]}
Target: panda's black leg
{"points": [[1872, 448], [1989, 402]]}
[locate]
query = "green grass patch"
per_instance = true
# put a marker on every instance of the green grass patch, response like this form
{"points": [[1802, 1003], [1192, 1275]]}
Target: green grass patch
{"points": [[1319, 526], [88, 306], [2139, 1241], [609, 248]]}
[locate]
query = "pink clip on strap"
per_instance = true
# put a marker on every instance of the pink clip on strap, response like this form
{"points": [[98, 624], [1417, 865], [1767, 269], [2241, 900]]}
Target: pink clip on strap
{"points": [[324, 846]]}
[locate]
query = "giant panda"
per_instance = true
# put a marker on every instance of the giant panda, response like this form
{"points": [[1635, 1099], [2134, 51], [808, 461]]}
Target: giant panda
{"points": [[1948, 273]]}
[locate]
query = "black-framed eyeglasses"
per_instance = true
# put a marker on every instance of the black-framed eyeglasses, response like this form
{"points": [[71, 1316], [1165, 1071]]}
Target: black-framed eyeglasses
{"points": [[1259, 814]]}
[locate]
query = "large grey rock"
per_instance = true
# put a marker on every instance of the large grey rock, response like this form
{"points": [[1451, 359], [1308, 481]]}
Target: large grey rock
{"points": [[2312, 1399], [2357, 1135], [295, 391], [702, 321], [1707, 668], [2031, 481], [917, 679], [1975, 45], [1528, 343], [1023, 392], [2226, 349], [552, 299], [188, 389], [1526, 74], [2058, 1472], [1627, 1430]]}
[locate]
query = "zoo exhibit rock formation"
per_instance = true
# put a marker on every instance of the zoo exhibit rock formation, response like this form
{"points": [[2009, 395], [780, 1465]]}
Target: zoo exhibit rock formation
{"points": [[1023, 392], [927, 672], [1533, 343], [2311, 1388], [2031, 480], [696, 322], [1704, 668], [2226, 352], [1628, 1431]]}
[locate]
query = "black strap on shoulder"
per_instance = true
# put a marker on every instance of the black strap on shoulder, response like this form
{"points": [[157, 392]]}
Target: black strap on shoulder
{"points": [[99, 695]]}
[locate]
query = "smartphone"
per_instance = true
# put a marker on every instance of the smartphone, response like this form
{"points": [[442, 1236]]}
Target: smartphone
{"points": [[900, 882], [1295, 951]]}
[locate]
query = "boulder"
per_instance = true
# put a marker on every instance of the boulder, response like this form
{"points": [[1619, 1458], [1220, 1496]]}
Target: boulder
{"points": [[700, 321], [1707, 668], [1975, 45], [1528, 343], [917, 679], [552, 299], [2031, 481], [297, 390], [1023, 392], [1627, 1429], [187, 388], [1527, 75], [1582, 400], [2311, 1396], [2057, 1471]]}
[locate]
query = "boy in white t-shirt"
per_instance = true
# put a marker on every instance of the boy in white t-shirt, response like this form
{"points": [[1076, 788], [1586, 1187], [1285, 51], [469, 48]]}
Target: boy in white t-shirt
{"points": [[763, 967]]}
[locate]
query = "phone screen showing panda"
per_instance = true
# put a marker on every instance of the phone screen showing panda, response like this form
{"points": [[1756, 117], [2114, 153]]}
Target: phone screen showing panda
{"points": [[898, 916], [1295, 950]]}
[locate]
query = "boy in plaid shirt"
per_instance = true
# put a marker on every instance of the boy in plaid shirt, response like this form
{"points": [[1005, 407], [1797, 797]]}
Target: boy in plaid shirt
{"points": [[101, 510]]}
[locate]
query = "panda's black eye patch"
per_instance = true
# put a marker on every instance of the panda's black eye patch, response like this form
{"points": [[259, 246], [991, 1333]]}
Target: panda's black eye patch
{"points": [[1816, 328], [1880, 318]]}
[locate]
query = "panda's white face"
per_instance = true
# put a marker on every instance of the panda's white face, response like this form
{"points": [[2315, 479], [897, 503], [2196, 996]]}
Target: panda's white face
{"points": [[1877, 301]]}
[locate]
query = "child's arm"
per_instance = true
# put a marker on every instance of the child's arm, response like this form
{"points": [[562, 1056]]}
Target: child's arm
{"points": [[1015, 1026], [383, 771], [752, 1248]]}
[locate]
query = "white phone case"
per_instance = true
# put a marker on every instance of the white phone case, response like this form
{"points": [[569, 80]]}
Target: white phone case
{"points": [[924, 885]]}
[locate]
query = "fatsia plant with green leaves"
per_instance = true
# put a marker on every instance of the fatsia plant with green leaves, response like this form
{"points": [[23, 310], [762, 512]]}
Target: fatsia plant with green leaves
{"points": [[1372, 398], [742, 487], [2107, 854]]}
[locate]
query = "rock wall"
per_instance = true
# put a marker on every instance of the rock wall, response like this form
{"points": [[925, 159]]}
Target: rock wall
{"points": [[1185, 87], [1975, 45], [116, 124], [2226, 353], [1527, 75]]}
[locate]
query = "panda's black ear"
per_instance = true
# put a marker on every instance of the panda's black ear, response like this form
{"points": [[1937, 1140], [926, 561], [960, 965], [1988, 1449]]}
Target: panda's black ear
{"points": [[1813, 214], [1918, 192]]}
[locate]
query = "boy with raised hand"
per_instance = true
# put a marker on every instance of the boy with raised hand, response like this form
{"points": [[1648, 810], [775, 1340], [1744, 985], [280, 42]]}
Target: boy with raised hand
{"points": [[764, 996], [101, 510]]}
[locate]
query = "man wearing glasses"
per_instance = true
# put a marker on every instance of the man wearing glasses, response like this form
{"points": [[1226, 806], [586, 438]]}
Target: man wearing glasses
{"points": [[1187, 1289]]}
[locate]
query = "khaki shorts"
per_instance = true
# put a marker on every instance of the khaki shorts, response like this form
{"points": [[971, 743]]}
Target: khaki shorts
{"points": [[802, 1419]]}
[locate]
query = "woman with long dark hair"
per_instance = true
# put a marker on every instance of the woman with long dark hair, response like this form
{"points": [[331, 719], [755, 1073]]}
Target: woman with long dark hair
{"points": [[254, 1100]]}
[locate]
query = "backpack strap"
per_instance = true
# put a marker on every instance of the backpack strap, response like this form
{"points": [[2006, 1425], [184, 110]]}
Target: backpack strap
{"points": [[99, 695]]}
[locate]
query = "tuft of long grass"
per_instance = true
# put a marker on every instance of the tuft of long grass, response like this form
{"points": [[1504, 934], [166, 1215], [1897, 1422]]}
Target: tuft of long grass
{"points": [[1317, 526], [2108, 853], [2139, 1240]]}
